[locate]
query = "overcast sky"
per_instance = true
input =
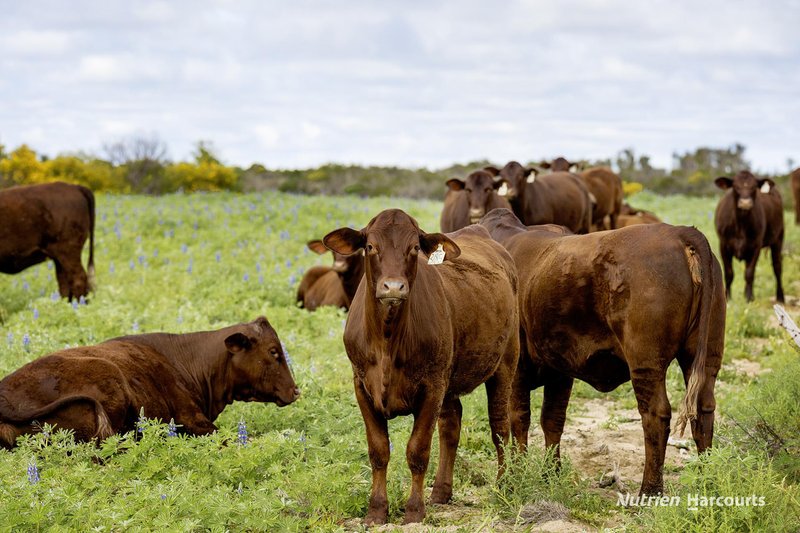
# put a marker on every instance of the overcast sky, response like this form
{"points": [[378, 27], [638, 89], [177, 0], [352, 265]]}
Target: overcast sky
{"points": [[296, 83]]}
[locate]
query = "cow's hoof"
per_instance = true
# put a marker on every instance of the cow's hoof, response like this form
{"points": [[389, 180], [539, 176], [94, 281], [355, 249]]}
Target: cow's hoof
{"points": [[441, 494], [414, 516], [376, 517]]}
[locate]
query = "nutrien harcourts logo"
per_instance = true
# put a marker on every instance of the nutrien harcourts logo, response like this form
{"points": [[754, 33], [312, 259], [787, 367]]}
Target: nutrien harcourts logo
{"points": [[693, 502]]}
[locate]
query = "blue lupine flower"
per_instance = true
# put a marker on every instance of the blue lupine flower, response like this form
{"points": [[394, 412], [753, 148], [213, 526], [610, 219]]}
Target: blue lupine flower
{"points": [[82, 300], [172, 429], [111, 267], [286, 354], [55, 296], [74, 305], [131, 264], [242, 433], [292, 279], [141, 259], [246, 277], [33, 472], [261, 279], [258, 267], [184, 248], [155, 252], [35, 313], [26, 286], [163, 496], [135, 326], [189, 268], [140, 422], [288, 263], [218, 257], [26, 341]]}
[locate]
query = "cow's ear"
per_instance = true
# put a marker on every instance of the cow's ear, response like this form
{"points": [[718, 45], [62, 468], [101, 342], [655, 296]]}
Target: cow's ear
{"points": [[455, 184], [262, 322], [575, 167], [429, 242], [494, 171], [317, 246], [765, 185], [724, 182], [238, 342], [345, 241], [498, 183]]}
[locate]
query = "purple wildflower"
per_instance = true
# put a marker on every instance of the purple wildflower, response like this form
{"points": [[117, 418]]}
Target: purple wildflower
{"points": [[242, 433], [33, 472], [172, 429], [35, 313]]}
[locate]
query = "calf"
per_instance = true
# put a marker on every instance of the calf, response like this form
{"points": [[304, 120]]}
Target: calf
{"points": [[557, 198], [749, 217], [610, 307], [48, 221], [420, 335], [335, 285], [467, 201], [97, 391]]}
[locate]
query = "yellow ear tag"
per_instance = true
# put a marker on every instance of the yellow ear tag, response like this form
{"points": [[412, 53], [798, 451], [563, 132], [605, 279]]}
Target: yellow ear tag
{"points": [[765, 187], [437, 257]]}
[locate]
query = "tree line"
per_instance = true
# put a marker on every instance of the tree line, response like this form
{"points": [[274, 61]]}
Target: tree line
{"points": [[140, 165]]}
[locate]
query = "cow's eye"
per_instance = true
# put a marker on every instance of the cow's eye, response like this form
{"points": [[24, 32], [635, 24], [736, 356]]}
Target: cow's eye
{"points": [[370, 249], [275, 353], [416, 247], [468, 190]]}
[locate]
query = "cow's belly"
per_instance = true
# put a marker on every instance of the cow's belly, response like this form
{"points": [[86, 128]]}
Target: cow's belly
{"points": [[12, 264]]}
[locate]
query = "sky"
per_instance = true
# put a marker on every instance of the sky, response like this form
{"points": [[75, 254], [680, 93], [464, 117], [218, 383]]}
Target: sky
{"points": [[415, 83]]}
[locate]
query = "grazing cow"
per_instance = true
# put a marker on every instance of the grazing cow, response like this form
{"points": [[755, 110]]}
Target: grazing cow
{"points": [[335, 285], [631, 216], [606, 188], [796, 194], [610, 307], [467, 201], [420, 335], [557, 198], [97, 391], [749, 217], [48, 221]]}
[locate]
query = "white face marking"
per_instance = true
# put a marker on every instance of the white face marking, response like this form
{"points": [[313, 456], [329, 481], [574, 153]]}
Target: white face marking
{"points": [[503, 190], [531, 177], [765, 188]]}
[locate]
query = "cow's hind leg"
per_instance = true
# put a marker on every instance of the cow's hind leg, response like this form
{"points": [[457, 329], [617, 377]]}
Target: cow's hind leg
{"points": [[72, 279], [727, 263], [750, 275], [777, 268], [557, 390], [449, 435], [651, 396]]}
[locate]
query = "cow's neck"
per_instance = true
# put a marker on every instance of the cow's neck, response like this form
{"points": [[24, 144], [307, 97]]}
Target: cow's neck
{"points": [[204, 370], [351, 278]]}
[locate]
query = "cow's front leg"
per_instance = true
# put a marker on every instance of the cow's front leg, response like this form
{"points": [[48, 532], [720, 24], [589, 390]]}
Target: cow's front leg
{"points": [[749, 275], [418, 453], [378, 446]]}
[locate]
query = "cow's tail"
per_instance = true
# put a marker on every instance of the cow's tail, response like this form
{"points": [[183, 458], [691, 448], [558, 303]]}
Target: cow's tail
{"points": [[103, 425], [89, 195], [701, 268]]}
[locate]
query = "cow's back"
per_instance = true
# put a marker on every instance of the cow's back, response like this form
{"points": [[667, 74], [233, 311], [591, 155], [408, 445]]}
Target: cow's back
{"points": [[559, 198]]}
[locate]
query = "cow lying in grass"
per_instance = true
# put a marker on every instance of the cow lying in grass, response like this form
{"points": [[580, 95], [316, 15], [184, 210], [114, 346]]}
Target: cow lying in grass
{"points": [[98, 391], [421, 335], [330, 285], [614, 306]]}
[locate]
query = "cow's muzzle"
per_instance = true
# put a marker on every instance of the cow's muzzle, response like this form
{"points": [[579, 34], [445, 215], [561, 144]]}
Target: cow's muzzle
{"points": [[392, 291], [295, 394], [475, 215], [745, 203]]}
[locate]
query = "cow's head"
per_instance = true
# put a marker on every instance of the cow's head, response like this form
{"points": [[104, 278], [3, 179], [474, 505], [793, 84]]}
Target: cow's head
{"points": [[391, 242], [258, 366], [746, 188], [480, 187], [560, 164], [512, 179], [342, 264]]}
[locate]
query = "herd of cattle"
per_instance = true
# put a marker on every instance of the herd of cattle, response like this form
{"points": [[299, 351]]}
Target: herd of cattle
{"points": [[535, 280]]}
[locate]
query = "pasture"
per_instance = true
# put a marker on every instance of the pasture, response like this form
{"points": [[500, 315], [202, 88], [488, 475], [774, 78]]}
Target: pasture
{"points": [[183, 263]]}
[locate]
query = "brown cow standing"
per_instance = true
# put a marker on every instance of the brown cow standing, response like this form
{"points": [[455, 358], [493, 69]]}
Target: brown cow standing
{"points": [[606, 187], [52, 221], [557, 198], [749, 217], [467, 201], [420, 335], [335, 285], [795, 178], [560, 164], [610, 307], [97, 391]]}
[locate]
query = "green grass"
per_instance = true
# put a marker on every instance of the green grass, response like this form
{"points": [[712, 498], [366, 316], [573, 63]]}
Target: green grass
{"points": [[183, 263]]}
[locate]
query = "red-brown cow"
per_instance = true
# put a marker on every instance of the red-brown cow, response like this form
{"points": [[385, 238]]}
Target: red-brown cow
{"points": [[560, 164], [48, 221], [749, 217], [630, 216], [420, 335], [98, 391], [610, 307], [467, 201], [557, 198], [606, 188], [335, 285], [795, 180]]}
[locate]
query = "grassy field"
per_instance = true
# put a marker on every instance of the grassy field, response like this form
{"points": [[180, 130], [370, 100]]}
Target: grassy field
{"points": [[183, 263]]}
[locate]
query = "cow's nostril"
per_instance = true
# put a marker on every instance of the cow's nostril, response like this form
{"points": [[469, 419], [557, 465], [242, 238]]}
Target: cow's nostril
{"points": [[296, 392]]}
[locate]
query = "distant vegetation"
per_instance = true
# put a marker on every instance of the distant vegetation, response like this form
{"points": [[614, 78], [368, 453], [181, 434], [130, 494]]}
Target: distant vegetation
{"points": [[140, 165]]}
